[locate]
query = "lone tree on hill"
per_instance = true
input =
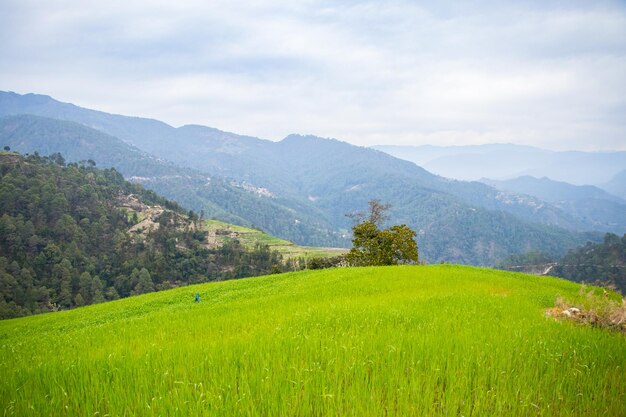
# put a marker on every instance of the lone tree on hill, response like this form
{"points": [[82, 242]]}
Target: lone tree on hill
{"points": [[372, 246]]}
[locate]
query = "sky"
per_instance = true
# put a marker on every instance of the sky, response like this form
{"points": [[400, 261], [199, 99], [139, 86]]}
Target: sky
{"points": [[545, 73]]}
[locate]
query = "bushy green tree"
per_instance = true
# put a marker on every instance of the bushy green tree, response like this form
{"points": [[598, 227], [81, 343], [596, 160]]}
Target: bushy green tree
{"points": [[372, 246]]}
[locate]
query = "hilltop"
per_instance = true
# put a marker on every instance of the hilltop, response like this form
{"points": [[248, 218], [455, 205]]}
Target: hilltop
{"points": [[412, 340]]}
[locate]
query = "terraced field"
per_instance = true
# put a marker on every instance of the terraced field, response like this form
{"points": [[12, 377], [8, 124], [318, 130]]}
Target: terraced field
{"points": [[219, 232]]}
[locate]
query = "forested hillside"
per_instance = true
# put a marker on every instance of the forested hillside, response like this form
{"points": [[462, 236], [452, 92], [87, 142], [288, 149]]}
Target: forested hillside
{"points": [[307, 184], [600, 264], [75, 235]]}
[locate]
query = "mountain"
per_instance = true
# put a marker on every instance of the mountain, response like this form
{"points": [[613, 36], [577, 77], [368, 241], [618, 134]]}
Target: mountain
{"points": [[617, 185], [116, 125], [317, 181], [75, 235], [506, 161], [227, 200], [588, 204]]}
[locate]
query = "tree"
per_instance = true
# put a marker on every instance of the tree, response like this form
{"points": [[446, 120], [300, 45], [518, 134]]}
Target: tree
{"points": [[84, 287], [372, 246], [78, 300], [97, 288], [144, 284], [63, 274], [377, 213]]}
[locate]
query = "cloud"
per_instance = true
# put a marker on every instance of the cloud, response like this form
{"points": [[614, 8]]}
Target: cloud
{"points": [[551, 74]]}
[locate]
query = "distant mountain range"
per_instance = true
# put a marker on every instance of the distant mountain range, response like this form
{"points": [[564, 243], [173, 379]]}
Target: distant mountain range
{"points": [[299, 188], [507, 161], [617, 185], [586, 203]]}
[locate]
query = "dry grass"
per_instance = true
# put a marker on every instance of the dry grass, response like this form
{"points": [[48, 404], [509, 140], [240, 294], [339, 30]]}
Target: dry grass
{"points": [[600, 310]]}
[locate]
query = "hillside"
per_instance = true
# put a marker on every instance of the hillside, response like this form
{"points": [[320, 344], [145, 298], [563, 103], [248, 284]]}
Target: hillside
{"points": [[221, 198], [437, 340], [317, 181], [219, 233], [588, 204], [75, 235], [599, 264]]}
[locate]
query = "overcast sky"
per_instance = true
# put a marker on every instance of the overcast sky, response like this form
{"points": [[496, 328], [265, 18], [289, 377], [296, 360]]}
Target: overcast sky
{"points": [[550, 74]]}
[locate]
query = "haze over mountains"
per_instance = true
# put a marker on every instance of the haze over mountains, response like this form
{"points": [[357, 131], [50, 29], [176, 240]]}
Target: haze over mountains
{"points": [[301, 187], [507, 161], [617, 185]]}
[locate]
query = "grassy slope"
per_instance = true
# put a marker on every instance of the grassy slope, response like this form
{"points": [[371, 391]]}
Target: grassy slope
{"points": [[249, 237], [436, 340]]}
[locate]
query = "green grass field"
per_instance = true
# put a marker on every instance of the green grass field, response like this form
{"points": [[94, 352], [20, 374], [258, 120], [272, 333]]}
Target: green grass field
{"points": [[250, 237], [394, 341]]}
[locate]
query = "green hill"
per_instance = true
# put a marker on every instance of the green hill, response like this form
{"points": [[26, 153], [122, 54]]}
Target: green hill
{"points": [[404, 341]]}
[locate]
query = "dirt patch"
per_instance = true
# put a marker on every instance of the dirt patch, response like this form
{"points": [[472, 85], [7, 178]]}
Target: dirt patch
{"points": [[595, 310], [149, 222], [131, 202], [148, 214]]}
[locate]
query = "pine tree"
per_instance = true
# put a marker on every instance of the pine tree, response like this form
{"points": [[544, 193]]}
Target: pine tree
{"points": [[144, 285]]}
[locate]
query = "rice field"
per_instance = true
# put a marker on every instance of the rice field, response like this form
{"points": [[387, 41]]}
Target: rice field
{"points": [[394, 341]]}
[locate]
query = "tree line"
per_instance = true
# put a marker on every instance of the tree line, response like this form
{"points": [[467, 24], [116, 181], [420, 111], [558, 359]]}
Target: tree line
{"points": [[601, 264]]}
